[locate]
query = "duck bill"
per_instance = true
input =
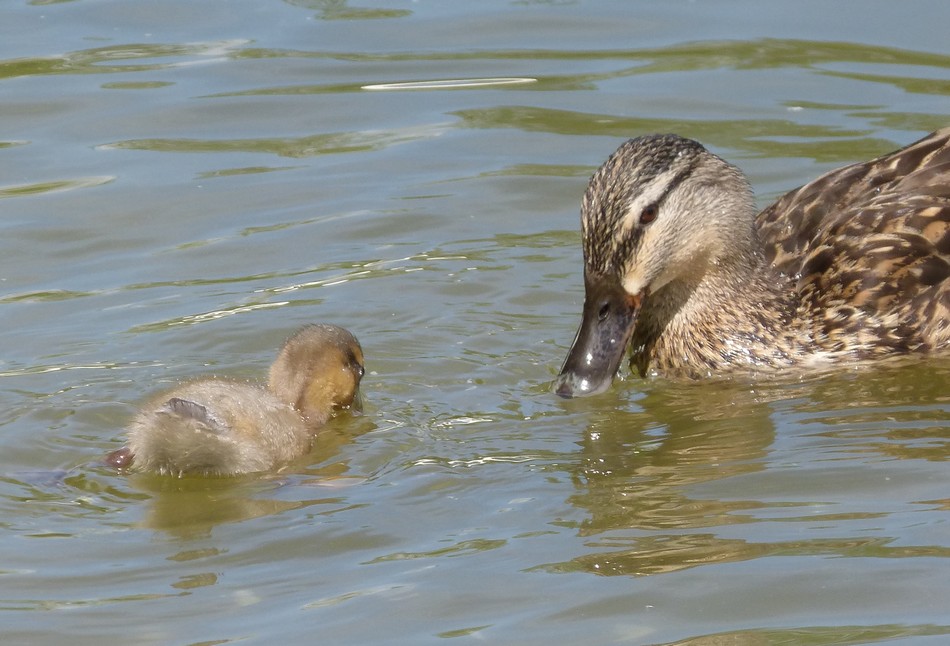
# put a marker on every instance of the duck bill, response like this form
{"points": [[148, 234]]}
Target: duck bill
{"points": [[610, 314], [356, 407]]}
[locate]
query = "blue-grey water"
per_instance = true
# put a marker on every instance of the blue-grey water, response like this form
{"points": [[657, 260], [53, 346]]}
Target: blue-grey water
{"points": [[184, 183]]}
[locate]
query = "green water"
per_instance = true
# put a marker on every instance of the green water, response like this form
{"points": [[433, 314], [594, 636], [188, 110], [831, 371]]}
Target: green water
{"points": [[182, 184]]}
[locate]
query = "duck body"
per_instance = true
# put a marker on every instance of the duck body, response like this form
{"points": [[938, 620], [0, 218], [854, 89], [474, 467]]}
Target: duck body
{"points": [[854, 265], [217, 427], [221, 427]]}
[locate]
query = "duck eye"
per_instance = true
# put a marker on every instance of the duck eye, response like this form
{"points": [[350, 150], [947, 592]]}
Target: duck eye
{"points": [[648, 214]]}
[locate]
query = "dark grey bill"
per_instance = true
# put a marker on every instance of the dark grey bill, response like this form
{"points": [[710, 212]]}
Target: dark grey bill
{"points": [[610, 314]]}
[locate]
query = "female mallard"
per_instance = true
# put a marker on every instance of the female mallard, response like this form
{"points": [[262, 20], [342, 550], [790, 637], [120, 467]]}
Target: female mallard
{"points": [[219, 427], [853, 265]]}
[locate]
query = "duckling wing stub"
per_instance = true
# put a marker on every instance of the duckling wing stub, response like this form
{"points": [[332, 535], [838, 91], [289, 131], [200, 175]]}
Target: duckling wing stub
{"points": [[194, 411]]}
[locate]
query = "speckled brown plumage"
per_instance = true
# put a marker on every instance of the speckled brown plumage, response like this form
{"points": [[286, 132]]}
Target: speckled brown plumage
{"points": [[870, 246], [854, 265]]}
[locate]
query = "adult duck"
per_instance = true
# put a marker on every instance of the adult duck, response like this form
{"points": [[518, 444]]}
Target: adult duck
{"points": [[221, 427], [678, 266]]}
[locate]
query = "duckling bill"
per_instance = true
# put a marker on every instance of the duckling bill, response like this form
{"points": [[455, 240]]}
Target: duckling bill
{"points": [[678, 266], [221, 427]]}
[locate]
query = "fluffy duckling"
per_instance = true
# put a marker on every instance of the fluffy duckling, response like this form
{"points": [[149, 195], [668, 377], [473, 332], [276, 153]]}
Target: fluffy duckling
{"points": [[853, 266], [219, 427]]}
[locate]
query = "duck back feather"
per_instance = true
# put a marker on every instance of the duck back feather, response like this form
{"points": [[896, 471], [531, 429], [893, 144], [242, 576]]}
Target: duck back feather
{"points": [[869, 247]]}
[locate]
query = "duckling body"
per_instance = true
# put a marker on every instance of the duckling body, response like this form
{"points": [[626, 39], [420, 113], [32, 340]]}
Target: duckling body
{"points": [[217, 427], [854, 265], [221, 427]]}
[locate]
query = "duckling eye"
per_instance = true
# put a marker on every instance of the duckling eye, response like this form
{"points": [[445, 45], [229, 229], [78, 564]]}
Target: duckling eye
{"points": [[649, 213], [354, 364]]}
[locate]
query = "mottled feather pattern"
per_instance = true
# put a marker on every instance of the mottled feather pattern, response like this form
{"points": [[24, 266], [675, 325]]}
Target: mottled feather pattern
{"points": [[869, 245], [855, 264]]}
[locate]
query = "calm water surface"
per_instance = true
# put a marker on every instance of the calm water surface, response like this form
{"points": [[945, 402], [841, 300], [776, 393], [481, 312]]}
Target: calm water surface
{"points": [[185, 183]]}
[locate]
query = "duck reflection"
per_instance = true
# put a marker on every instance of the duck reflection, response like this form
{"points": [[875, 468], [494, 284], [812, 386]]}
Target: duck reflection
{"points": [[639, 474], [656, 494], [900, 411], [192, 506]]}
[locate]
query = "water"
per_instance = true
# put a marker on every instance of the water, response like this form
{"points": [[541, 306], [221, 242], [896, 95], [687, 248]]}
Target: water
{"points": [[183, 184]]}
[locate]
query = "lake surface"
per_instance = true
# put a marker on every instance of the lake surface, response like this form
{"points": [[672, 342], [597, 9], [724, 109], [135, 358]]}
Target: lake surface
{"points": [[182, 184]]}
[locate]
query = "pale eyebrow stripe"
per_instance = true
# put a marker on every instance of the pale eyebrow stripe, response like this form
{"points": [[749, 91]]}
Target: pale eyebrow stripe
{"points": [[655, 192], [658, 187]]}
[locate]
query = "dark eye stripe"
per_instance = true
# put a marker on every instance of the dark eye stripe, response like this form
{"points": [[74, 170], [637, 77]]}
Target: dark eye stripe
{"points": [[631, 241], [676, 181]]}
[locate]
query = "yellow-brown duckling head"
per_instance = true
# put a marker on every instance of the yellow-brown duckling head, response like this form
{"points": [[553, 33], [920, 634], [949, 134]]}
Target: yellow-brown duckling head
{"points": [[659, 212], [318, 371]]}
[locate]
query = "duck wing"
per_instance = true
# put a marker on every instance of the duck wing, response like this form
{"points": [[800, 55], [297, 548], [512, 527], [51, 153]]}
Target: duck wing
{"points": [[869, 248]]}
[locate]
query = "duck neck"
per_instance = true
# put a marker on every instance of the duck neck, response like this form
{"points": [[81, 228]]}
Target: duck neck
{"points": [[726, 316]]}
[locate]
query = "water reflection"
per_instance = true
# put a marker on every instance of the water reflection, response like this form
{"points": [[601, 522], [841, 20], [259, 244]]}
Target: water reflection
{"points": [[192, 506], [21, 190], [295, 147], [638, 474], [816, 635], [646, 486], [104, 60], [766, 137], [340, 10]]}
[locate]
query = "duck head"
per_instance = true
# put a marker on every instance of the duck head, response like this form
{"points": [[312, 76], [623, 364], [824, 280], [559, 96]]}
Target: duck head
{"points": [[655, 217], [318, 371]]}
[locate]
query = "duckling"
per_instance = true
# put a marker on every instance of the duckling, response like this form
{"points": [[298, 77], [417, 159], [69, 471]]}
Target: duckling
{"points": [[219, 427], [678, 266]]}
